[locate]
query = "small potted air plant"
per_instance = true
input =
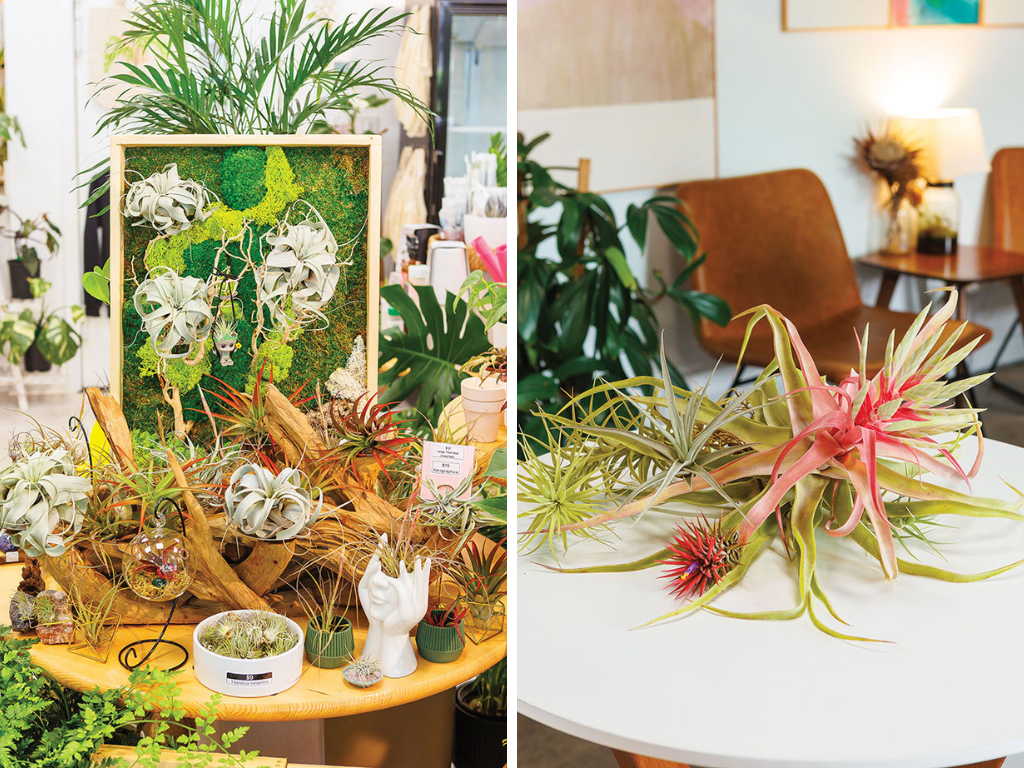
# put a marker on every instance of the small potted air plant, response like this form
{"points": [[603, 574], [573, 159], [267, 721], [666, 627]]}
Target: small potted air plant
{"points": [[225, 340], [362, 673], [482, 574], [484, 394], [441, 634], [247, 653], [329, 638], [370, 439], [54, 623]]}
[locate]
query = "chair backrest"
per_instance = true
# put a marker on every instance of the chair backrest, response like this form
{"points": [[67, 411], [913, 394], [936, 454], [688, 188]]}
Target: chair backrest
{"points": [[1008, 199], [771, 238]]}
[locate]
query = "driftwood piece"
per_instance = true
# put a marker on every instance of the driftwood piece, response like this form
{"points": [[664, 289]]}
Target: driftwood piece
{"points": [[214, 580], [111, 420], [264, 566]]}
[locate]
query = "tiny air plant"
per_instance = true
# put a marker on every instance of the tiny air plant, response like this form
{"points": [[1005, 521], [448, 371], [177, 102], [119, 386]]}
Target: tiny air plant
{"points": [[301, 272], [225, 340], [249, 635], [175, 312], [493, 363], [268, 505], [370, 431], [363, 673], [43, 500], [844, 457], [166, 202]]}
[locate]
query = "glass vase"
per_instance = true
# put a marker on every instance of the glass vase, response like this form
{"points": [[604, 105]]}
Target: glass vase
{"points": [[896, 228]]}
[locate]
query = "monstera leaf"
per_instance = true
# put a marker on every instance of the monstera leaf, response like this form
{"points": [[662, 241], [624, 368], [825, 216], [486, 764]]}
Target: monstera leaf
{"points": [[426, 355], [58, 340]]}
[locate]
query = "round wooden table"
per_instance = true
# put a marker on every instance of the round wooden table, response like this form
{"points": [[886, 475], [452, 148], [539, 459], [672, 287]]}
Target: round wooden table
{"points": [[947, 689], [320, 693]]}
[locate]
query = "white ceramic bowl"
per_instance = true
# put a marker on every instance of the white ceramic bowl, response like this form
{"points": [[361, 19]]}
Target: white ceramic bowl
{"points": [[246, 678]]}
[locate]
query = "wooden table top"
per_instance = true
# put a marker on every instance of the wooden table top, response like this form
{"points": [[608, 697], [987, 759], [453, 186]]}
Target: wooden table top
{"points": [[319, 693], [972, 264]]}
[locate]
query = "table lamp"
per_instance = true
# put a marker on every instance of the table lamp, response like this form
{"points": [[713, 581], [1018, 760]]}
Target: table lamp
{"points": [[951, 144]]}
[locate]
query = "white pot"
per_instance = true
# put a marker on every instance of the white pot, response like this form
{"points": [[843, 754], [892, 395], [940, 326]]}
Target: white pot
{"points": [[247, 678], [482, 404], [498, 335]]}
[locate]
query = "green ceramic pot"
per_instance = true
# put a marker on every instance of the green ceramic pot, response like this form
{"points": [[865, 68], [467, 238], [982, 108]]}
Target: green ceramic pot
{"points": [[441, 645], [329, 650]]}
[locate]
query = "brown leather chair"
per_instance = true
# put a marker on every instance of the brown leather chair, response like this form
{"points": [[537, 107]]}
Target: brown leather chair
{"points": [[1008, 199], [773, 238]]}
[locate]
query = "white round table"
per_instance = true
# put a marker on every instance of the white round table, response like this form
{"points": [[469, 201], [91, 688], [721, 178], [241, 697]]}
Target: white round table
{"points": [[725, 693]]}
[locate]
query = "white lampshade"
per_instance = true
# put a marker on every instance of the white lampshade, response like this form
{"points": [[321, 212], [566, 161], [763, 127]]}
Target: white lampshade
{"points": [[950, 140]]}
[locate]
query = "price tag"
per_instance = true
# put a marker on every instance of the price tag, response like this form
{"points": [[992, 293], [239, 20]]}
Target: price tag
{"points": [[446, 466], [12, 557], [249, 679]]}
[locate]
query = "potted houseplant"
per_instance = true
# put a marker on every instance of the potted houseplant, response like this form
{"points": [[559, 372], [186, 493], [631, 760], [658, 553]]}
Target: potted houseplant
{"points": [[482, 574], [54, 340], [441, 634], [489, 300], [29, 236], [484, 394], [247, 653], [480, 713], [329, 638]]}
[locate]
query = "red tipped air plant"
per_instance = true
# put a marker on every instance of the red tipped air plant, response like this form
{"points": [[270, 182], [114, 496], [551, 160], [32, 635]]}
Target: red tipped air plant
{"points": [[371, 431], [699, 556]]}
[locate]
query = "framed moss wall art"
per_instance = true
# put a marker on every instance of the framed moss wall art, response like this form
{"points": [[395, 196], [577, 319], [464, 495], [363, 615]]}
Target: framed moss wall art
{"points": [[238, 260]]}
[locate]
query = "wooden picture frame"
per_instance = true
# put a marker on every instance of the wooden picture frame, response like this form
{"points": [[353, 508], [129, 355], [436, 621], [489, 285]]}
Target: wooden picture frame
{"points": [[833, 15], [126, 152]]}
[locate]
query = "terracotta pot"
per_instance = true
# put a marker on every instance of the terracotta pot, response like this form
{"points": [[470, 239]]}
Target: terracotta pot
{"points": [[482, 403]]}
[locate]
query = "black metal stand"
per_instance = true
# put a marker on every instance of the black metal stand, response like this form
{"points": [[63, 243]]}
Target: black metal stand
{"points": [[129, 653]]}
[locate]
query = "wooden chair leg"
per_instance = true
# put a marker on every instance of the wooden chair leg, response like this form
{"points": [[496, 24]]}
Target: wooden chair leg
{"points": [[629, 760]]}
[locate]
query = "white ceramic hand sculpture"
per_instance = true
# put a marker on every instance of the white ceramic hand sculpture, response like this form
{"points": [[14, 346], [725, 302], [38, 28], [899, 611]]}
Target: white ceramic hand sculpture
{"points": [[393, 607]]}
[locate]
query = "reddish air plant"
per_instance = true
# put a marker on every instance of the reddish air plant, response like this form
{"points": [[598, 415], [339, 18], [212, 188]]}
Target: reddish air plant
{"points": [[698, 557], [371, 431]]}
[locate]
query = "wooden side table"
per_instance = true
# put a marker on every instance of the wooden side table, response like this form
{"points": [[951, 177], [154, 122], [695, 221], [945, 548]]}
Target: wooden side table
{"points": [[972, 264]]}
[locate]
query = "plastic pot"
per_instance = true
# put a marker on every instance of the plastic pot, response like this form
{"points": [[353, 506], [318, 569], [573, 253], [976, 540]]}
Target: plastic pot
{"points": [[246, 678], [330, 649], [34, 360], [478, 741], [441, 645], [482, 404], [19, 280]]}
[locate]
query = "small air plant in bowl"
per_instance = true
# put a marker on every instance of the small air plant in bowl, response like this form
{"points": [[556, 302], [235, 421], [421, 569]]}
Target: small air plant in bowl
{"points": [[248, 653], [363, 673]]}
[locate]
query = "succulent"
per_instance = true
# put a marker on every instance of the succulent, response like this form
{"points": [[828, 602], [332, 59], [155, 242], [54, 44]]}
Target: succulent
{"points": [[249, 635], [175, 311], [349, 381], [270, 506], [166, 202], [301, 269], [42, 499]]}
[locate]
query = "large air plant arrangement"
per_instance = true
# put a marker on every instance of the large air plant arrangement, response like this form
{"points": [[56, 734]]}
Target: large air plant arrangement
{"points": [[849, 458], [43, 500]]}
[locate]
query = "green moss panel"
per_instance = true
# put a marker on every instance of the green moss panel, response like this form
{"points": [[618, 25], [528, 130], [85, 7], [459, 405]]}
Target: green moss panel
{"points": [[259, 185]]}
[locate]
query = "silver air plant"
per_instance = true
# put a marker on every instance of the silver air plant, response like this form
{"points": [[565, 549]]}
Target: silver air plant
{"points": [[43, 499], [249, 635], [175, 312], [166, 202], [301, 269], [269, 506]]}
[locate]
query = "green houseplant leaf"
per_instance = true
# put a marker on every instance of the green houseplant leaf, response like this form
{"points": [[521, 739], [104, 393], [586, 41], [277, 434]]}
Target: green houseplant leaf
{"points": [[17, 332], [57, 340], [425, 356]]}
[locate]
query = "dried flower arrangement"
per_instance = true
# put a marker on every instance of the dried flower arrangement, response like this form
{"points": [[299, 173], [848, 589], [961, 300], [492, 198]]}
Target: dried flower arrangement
{"points": [[891, 158], [848, 458]]}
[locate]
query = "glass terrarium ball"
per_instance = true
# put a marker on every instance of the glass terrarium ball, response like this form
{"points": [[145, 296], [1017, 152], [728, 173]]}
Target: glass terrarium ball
{"points": [[157, 565]]}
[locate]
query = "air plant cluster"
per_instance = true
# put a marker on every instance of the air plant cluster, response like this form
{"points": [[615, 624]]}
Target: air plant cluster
{"points": [[793, 456], [249, 635]]}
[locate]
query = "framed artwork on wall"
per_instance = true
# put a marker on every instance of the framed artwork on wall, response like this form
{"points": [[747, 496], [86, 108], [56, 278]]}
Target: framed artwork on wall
{"points": [[798, 15], [239, 261]]}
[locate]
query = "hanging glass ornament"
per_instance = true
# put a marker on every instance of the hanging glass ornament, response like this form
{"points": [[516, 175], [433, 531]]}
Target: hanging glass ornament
{"points": [[156, 564]]}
